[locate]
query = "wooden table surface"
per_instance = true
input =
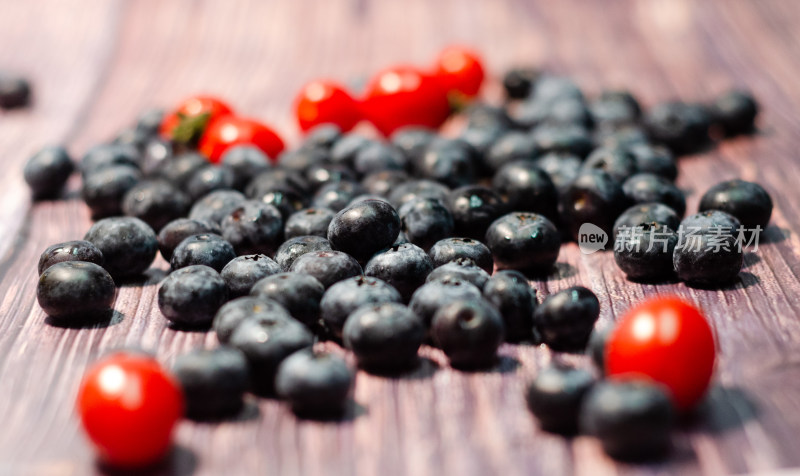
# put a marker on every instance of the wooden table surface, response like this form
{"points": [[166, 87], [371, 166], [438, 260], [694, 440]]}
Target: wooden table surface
{"points": [[97, 63]]}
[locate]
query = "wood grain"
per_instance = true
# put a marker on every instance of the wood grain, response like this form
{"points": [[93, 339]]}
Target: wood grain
{"points": [[96, 64]]}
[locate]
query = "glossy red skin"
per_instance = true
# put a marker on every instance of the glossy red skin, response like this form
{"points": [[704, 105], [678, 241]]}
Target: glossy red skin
{"points": [[230, 130], [405, 96], [129, 407], [326, 102], [460, 69], [667, 340], [192, 107]]}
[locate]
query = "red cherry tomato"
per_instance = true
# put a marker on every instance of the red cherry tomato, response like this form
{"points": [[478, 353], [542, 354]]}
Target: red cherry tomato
{"points": [[321, 102], [193, 107], [228, 131], [669, 341], [460, 69], [404, 96], [129, 406]]}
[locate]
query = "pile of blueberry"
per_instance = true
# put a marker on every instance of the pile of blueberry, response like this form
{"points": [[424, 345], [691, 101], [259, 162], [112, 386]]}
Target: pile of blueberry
{"points": [[386, 245]]}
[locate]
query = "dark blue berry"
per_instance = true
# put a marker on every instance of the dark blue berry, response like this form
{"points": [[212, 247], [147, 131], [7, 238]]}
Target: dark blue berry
{"points": [[570, 139], [384, 337], [179, 169], [322, 136], [15, 92], [336, 195], [384, 182], [747, 201], [253, 227], [615, 108], [632, 419], [449, 161], [245, 162], [519, 82], [208, 179], [707, 258], [47, 171], [207, 249], [103, 156], [178, 230], [299, 293], [593, 197], [77, 250], [651, 188], [469, 333], [555, 397], [524, 241], [155, 202], [644, 252], [377, 157], [413, 189], [710, 221], [596, 348], [511, 147], [566, 319], [310, 221], [345, 150], [217, 205], [655, 160], [192, 295], [128, 245], [234, 312], [462, 269], [682, 127], [315, 384], [511, 293], [618, 162], [413, 141], [450, 249], [404, 266], [431, 296], [213, 382], [647, 213], [324, 173], [75, 292], [328, 267], [562, 168], [474, 208], [527, 188], [292, 248], [302, 158], [104, 190], [425, 221], [364, 228], [344, 297], [241, 273], [735, 112], [277, 180]]}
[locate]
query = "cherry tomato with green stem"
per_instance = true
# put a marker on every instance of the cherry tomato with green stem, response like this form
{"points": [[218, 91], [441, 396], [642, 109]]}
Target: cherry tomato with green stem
{"points": [[326, 102]]}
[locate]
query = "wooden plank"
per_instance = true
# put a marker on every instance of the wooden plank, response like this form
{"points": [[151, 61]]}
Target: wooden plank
{"points": [[97, 64]]}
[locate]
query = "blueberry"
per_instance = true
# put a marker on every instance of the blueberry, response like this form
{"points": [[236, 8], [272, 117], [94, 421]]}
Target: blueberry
{"points": [[47, 171], [213, 382], [316, 384], [596, 348], [564, 111], [324, 173], [527, 188], [450, 249], [77, 250], [474, 208], [277, 180], [570, 139], [345, 150], [463, 269], [735, 112], [179, 169], [615, 108], [511, 147], [707, 258], [155, 202], [191, 296], [710, 221], [302, 158], [253, 227], [519, 82], [682, 127], [377, 157], [104, 190], [328, 267], [511, 293], [550, 87], [245, 162], [234, 312], [382, 183], [412, 189], [747, 201], [149, 122], [618, 162], [128, 245], [621, 136], [293, 248], [344, 297], [481, 139], [644, 252], [404, 266], [266, 342], [322, 136], [632, 419], [73, 292], [206, 249], [425, 221], [336, 195], [384, 337], [484, 116], [449, 161], [566, 319], [299, 293], [433, 295], [287, 202], [156, 153], [174, 232], [647, 213], [524, 241], [650, 188], [310, 221], [413, 141], [363, 229], [217, 205], [555, 397], [469, 333], [241, 273], [562, 168], [593, 197], [655, 160], [104, 156], [208, 179], [15, 92]]}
